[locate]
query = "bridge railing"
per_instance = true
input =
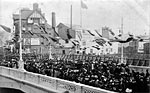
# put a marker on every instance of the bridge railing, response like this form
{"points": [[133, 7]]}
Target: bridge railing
{"points": [[51, 82]]}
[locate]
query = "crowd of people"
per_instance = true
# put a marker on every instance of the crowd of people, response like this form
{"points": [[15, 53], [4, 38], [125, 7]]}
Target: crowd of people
{"points": [[109, 74]]}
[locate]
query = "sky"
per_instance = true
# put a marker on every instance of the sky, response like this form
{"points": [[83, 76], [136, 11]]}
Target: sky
{"points": [[100, 13]]}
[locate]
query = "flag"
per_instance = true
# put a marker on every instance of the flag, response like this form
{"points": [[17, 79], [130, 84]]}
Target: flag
{"points": [[46, 38], [43, 29], [6, 28], [53, 39], [120, 35], [31, 33], [98, 33], [42, 36], [83, 5], [112, 32], [68, 34], [124, 41], [57, 35], [101, 41], [110, 43], [90, 33], [74, 43], [96, 47], [79, 35]]}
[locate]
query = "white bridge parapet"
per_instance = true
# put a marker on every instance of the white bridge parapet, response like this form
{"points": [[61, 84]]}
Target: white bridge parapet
{"points": [[50, 82]]}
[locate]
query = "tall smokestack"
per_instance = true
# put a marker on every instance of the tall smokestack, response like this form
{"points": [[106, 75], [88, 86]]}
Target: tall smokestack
{"points": [[53, 20]]}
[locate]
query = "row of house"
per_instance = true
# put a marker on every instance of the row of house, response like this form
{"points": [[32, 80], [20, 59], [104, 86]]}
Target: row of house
{"points": [[32, 19]]}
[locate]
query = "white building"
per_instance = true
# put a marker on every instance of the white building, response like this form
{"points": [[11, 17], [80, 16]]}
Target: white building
{"points": [[87, 41]]}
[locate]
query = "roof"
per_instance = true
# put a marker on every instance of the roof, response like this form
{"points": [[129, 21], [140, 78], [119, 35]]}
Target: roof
{"points": [[25, 13], [74, 27], [62, 31]]}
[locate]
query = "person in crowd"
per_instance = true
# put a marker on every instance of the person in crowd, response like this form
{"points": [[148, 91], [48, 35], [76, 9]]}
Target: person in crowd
{"points": [[106, 74]]}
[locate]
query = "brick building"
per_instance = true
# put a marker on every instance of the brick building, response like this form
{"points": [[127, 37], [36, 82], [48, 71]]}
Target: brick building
{"points": [[33, 25]]}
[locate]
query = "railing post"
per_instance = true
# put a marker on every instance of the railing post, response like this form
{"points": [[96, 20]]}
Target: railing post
{"points": [[9, 71], [25, 75], [56, 84], [38, 79], [0, 69]]}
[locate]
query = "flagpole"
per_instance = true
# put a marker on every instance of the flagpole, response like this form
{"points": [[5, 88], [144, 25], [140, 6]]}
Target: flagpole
{"points": [[71, 17], [149, 26], [80, 14], [70, 25], [122, 43]]}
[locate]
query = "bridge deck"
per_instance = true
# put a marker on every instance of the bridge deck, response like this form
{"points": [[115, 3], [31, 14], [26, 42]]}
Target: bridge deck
{"points": [[46, 82]]}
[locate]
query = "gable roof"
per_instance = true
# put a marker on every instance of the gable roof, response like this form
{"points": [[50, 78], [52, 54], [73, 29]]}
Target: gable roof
{"points": [[37, 12], [74, 27], [26, 13]]}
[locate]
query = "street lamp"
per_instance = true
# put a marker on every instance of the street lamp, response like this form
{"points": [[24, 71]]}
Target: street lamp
{"points": [[20, 63]]}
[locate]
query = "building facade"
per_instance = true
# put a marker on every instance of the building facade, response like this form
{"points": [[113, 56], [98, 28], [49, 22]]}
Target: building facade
{"points": [[106, 33], [33, 25]]}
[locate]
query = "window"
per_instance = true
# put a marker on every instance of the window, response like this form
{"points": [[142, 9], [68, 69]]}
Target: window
{"points": [[23, 28], [78, 47], [29, 28], [83, 52], [83, 43], [35, 28], [42, 21], [30, 20], [63, 51], [66, 41], [106, 49], [111, 50], [91, 50], [77, 52], [83, 31]]}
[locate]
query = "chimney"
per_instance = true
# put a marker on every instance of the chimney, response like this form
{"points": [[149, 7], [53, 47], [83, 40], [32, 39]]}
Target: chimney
{"points": [[35, 6], [53, 20]]}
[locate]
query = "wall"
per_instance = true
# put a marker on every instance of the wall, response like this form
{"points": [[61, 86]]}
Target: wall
{"points": [[49, 83]]}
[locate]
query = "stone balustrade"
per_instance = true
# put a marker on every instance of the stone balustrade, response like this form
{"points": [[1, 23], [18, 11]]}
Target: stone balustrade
{"points": [[51, 82]]}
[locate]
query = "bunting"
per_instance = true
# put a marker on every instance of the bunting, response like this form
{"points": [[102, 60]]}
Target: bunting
{"points": [[98, 33], [124, 41], [6, 28], [90, 33], [96, 47], [74, 43], [31, 33], [53, 39], [79, 35], [112, 32], [57, 35], [68, 34], [43, 29]]}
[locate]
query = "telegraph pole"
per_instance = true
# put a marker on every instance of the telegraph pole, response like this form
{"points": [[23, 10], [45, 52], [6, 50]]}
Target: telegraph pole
{"points": [[122, 58], [20, 63]]}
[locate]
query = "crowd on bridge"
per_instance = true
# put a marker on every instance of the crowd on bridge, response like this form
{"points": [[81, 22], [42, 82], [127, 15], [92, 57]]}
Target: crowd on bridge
{"points": [[109, 74]]}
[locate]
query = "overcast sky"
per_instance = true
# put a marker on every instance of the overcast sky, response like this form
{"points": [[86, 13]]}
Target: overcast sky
{"points": [[100, 13]]}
